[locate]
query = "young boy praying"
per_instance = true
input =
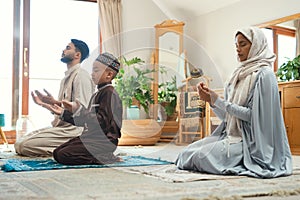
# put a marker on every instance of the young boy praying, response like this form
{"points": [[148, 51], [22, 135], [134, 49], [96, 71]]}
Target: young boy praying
{"points": [[102, 119]]}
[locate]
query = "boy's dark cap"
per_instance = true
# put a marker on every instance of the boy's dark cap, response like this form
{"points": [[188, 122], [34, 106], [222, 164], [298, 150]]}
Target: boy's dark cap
{"points": [[109, 60], [83, 47]]}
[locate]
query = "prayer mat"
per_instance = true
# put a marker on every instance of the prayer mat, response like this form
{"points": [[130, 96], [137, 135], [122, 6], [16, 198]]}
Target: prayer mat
{"points": [[170, 173], [18, 165]]}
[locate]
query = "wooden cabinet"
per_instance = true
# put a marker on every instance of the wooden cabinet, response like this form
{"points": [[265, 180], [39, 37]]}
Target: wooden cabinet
{"points": [[169, 131], [290, 104]]}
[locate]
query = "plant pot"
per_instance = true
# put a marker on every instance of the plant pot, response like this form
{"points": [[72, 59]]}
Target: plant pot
{"points": [[135, 102], [139, 132], [173, 117], [133, 113], [164, 115]]}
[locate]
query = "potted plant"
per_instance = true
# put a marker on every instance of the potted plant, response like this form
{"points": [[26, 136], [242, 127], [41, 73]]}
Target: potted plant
{"points": [[134, 86], [289, 70], [167, 96]]}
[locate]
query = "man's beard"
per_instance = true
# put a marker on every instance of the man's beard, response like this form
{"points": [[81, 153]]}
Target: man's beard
{"points": [[66, 59]]}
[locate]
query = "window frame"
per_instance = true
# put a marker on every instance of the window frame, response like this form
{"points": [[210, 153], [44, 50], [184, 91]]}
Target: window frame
{"points": [[275, 37], [21, 52], [278, 30]]}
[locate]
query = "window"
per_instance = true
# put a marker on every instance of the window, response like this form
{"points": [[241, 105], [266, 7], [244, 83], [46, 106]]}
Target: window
{"points": [[269, 35], [283, 42], [287, 48], [62, 21], [6, 51], [52, 24]]}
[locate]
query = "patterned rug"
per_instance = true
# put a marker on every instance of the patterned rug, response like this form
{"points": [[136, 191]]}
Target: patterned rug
{"points": [[170, 173], [18, 165]]}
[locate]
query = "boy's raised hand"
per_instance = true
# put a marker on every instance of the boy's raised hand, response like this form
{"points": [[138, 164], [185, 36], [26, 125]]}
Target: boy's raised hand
{"points": [[71, 106], [55, 109]]}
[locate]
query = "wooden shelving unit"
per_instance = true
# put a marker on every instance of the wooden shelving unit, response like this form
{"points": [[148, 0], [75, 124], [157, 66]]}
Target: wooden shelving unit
{"points": [[290, 105], [169, 132]]}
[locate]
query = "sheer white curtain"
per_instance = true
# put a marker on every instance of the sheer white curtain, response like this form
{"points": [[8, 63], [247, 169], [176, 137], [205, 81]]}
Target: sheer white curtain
{"points": [[297, 25], [111, 25]]}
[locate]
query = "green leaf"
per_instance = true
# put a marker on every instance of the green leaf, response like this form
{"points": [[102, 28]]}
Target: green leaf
{"points": [[289, 70], [134, 85]]}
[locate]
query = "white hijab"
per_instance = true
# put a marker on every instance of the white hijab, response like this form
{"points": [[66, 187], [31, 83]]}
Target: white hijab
{"points": [[243, 77]]}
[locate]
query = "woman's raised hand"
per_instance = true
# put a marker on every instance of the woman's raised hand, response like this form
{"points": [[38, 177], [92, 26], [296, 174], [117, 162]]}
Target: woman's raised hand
{"points": [[206, 94]]}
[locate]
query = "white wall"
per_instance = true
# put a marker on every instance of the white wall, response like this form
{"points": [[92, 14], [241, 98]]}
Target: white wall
{"points": [[216, 30], [209, 39], [139, 19]]}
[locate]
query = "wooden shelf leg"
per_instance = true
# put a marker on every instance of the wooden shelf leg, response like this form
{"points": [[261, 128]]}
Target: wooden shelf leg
{"points": [[3, 137]]}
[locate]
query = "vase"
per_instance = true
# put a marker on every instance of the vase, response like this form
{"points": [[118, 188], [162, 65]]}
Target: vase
{"points": [[173, 117], [24, 126], [133, 113]]}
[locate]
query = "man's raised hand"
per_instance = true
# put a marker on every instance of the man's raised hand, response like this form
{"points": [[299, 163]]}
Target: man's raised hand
{"points": [[48, 98]]}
